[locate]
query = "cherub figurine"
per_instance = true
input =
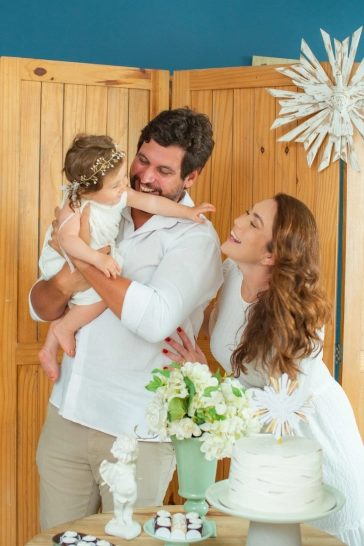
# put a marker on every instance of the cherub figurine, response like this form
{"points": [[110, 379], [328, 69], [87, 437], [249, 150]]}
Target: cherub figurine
{"points": [[120, 477]]}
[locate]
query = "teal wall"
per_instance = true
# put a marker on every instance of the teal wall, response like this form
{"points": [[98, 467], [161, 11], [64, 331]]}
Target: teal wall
{"points": [[173, 34]]}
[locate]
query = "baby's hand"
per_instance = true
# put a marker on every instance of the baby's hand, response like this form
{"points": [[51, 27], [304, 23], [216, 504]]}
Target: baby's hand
{"points": [[107, 265], [193, 213]]}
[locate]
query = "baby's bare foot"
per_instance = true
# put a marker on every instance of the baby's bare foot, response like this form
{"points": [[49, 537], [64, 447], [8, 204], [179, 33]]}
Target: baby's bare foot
{"points": [[66, 339], [49, 363]]}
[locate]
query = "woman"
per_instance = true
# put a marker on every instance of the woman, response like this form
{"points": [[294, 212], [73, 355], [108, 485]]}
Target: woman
{"points": [[268, 321]]}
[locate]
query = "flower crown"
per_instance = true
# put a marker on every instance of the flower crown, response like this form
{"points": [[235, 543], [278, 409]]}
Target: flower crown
{"points": [[102, 165]]}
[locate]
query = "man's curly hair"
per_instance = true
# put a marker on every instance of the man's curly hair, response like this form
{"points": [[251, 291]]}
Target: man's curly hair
{"points": [[185, 128]]}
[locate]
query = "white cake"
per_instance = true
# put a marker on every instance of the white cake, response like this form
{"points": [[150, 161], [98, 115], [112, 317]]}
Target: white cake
{"points": [[276, 478]]}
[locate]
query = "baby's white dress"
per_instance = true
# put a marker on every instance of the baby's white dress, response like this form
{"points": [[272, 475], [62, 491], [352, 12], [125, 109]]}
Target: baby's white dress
{"points": [[104, 228], [333, 424]]}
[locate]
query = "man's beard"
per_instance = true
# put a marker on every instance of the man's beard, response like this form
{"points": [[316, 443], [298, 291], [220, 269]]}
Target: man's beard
{"points": [[174, 196]]}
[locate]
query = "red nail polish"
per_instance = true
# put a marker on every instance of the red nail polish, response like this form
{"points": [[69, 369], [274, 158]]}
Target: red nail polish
{"points": [[179, 329], [168, 339], [165, 351], [165, 367]]}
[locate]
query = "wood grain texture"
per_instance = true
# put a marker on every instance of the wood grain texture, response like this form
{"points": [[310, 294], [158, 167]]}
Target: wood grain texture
{"points": [[28, 433], [201, 190], [96, 110], [118, 117], [51, 164], [39, 117], [231, 531], [221, 165], [264, 146], [285, 176], [139, 104], [160, 92], [181, 89], [236, 78], [28, 204], [243, 145], [82, 73], [354, 285], [10, 96]]}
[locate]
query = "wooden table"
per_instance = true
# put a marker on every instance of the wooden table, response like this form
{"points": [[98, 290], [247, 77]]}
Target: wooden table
{"points": [[231, 531]]}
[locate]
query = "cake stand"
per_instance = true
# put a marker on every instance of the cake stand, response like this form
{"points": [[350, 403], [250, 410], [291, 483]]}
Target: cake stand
{"points": [[274, 529], [208, 530]]}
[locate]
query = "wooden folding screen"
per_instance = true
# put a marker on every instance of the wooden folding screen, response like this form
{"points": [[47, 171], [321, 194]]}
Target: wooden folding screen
{"points": [[248, 164], [43, 105]]}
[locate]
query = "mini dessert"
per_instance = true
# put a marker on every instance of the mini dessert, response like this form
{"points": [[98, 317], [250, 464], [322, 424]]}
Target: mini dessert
{"points": [[178, 526], [72, 538]]}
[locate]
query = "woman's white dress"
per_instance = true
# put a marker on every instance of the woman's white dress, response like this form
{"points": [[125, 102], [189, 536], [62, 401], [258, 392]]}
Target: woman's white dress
{"points": [[104, 228], [333, 424]]}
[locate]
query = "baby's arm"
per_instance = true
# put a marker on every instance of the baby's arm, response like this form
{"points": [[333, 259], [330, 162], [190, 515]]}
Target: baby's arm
{"points": [[155, 204], [73, 245]]}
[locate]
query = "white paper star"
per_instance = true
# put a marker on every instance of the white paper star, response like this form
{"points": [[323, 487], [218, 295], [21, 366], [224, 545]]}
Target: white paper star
{"points": [[336, 106], [281, 405]]}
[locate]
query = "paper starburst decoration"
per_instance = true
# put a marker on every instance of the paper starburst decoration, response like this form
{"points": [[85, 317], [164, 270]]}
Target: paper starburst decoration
{"points": [[281, 405], [334, 106]]}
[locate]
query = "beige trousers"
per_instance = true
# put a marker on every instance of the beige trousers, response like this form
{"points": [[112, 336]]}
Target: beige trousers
{"points": [[68, 459]]}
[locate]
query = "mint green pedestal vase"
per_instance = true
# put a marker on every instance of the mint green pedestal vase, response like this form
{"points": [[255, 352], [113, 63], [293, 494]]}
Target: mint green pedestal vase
{"points": [[195, 474]]}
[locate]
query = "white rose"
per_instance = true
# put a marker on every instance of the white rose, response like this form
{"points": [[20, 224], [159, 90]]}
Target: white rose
{"points": [[156, 415], [184, 428]]}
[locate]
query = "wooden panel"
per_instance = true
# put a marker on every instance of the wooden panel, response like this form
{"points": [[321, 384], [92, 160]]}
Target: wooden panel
{"points": [[234, 78], [9, 176], [243, 145], [264, 146], [39, 117], [82, 73], [118, 116], [222, 123], [139, 104], [285, 177], [159, 96], [201, 190], [327, 216], [28, 203], [96, 110], [181, 89], [51, 163], [354, 286], [74, 115], [28, 433]]}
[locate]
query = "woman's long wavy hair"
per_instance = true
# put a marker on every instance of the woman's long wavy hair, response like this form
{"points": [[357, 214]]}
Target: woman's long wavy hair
{"points": [[282, 325]]}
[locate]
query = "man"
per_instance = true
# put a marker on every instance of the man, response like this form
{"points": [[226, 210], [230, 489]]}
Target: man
{"points": [[172, 270]]}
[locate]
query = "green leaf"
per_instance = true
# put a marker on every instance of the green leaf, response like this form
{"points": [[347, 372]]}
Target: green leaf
{"points": [[220, 417], [175, 365], [207, 392], [236, 392], [191, 389], [166, 373], [154, 384], [212, 412], [218, 375], [177, 408]]}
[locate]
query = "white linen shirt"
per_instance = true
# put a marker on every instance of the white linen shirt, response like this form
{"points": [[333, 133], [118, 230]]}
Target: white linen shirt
{"points": [[175, 268]]}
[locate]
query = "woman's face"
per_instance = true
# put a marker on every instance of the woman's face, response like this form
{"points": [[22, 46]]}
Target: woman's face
{"points": [[251, 232]]}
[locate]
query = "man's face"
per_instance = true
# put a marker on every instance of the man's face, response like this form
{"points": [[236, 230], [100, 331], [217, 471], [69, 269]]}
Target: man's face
{"points": [[157, 170]]}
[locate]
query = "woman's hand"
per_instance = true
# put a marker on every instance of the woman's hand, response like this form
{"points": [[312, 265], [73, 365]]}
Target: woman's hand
{"points": [[185, 351]]}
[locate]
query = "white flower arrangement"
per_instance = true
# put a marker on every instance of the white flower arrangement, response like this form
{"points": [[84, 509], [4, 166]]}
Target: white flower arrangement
{"points": [[190, 402]]}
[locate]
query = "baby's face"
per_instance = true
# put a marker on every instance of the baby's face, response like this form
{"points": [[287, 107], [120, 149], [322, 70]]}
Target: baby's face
{"points": [[114, 185]]}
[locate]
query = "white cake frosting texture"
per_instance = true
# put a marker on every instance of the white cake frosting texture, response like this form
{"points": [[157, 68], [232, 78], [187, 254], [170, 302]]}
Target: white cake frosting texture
{"points": [[276, 478]]}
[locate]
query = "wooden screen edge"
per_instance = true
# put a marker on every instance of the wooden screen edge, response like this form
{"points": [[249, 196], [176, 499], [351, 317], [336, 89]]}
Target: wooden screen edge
{"points": [[9, 174], [353, 285]]}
